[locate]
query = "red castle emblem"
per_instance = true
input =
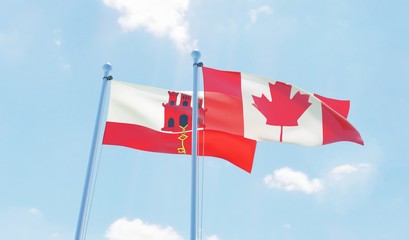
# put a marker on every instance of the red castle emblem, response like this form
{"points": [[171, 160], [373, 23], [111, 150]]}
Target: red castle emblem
{"points": [[178, 117]]}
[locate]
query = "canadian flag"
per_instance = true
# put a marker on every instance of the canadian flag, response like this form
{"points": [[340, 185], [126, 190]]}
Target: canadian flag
{"points": [[159, 120], [266, 110]]}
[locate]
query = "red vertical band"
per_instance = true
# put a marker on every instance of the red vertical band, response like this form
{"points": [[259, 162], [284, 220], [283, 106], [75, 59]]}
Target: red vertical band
{"points": [[223, 101], [336, 128]]}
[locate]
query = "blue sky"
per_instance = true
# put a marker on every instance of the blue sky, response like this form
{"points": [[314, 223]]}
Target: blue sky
{"points": [[51, 57]]}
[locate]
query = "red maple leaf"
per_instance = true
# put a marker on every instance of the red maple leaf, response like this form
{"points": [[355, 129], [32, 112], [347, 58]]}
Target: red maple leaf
{"points": [[282, 110]]}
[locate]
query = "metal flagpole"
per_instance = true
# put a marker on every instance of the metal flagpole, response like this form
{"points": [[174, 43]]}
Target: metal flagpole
{"points": [[79, 232], [193, 227]]}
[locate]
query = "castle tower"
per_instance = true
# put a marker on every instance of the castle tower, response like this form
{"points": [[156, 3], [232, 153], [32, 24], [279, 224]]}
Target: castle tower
{"points": [[172, 98], [185, 100]]}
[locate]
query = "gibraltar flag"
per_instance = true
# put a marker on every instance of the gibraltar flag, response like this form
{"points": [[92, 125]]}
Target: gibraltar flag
{"points": [[265, 110], [158, 120]]}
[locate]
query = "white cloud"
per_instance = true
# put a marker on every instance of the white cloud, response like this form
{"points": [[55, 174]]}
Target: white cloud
{"points": [[290, 180], [124, 229], [35, 211], [66, 67], [213, 237], [287, 226], [343, 170], [161, 18], [255, 12]]}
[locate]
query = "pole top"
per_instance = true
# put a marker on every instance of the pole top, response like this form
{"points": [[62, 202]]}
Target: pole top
{"points": [[195, 55], [107, 67]]}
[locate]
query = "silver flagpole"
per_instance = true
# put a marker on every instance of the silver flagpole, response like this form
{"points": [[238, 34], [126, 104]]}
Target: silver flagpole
{"points": [[80, 225], [193, 227]]}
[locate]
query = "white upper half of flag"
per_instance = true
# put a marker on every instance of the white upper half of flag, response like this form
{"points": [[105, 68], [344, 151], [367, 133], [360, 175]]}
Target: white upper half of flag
{"points": [[138, 104]]}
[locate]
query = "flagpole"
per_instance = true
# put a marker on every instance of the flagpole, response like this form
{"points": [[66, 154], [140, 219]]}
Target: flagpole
{"points": [[79, 232], [193, 227]]}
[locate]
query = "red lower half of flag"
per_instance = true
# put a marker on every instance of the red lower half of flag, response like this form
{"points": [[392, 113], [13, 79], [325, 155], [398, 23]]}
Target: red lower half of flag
{"points": [[235, 149]]}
